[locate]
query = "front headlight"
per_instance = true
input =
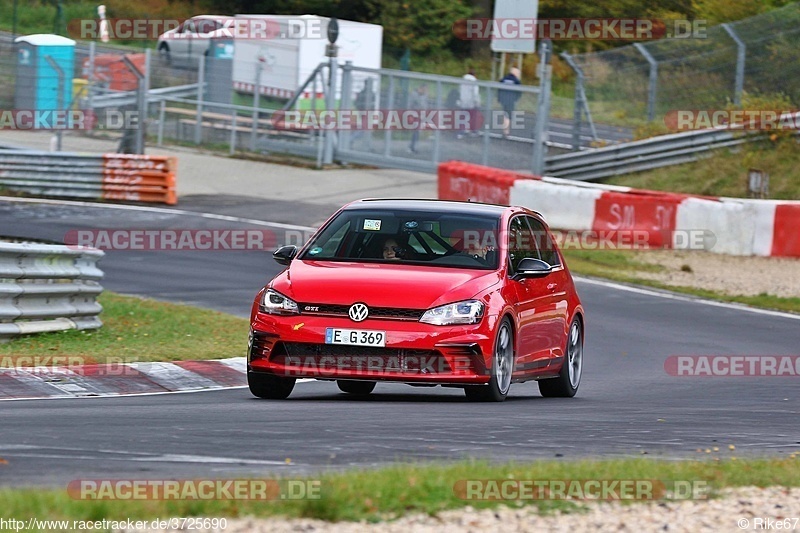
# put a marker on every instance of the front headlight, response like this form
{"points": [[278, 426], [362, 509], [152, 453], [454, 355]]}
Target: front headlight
{"points": [[276, 303], [466, 312]]}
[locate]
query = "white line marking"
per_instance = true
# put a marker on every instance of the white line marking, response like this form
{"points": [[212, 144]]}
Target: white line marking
{"points": [[164, 210], [682, 298]]}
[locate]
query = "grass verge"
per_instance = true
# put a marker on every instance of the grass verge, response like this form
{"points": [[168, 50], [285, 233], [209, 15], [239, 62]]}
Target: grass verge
{"points": [[391, 492], [725, 172], [139, 330], [620, 265]]}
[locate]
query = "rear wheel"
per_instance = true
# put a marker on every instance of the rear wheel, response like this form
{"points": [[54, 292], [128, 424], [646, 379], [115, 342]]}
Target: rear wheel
{"points": [[569, 378], [361, 388], [502, 367], [269, 386]]}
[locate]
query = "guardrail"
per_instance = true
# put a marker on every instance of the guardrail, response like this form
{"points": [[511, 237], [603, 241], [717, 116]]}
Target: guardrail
{"points": [[661, 151], [642, 155], [48, 288], [138, 178]]}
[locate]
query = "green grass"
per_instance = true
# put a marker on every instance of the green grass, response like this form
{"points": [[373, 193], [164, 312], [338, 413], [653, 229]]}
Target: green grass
{"points": [[621, 265], [139, 330], [391, 492], [725, 173]]}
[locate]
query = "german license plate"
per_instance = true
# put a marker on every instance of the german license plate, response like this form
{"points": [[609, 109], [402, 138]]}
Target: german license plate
{"points": [[355, 337]]}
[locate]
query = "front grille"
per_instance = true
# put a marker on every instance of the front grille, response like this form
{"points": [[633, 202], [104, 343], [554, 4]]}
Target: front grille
{"points": [[386, 313], [327, 357]]}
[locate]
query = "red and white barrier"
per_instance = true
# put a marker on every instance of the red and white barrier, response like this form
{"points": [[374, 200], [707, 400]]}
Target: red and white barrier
{"points": [[667, 220]]}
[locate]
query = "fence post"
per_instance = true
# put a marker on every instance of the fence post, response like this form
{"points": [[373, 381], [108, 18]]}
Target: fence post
{"points": [[201, 79], [437, 133], [542, 109], [330, 105], [161, 118], [741, 53], [91, 80], [651, 93], [345, 135], [488, 123], [256, 105], [233, 132], [387, 134]]}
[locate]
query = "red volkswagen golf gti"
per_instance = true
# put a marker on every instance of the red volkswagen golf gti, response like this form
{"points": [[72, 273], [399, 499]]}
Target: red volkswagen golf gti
{"points": [[422, 292]]}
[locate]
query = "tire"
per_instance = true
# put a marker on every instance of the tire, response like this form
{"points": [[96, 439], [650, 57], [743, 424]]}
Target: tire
{"points": [[569, 378], [359, 388], [502, 368], [269, 386], [164, 55]]}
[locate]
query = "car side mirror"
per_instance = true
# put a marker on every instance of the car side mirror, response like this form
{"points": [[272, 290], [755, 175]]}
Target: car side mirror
{"points": [[285, 254], [529, 267]]}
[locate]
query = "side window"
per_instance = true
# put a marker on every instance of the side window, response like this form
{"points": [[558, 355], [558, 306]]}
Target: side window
{"points": [[541, 237], [520, 243]]}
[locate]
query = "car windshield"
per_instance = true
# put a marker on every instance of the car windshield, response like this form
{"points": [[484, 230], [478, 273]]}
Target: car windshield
{"points": [[462, 240]]}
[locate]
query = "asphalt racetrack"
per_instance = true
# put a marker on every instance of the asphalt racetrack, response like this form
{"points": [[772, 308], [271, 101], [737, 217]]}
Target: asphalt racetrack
{"points": [[628, 404]]}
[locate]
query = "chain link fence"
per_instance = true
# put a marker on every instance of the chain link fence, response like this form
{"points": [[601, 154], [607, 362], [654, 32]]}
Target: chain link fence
{"points": [[641, 83]]}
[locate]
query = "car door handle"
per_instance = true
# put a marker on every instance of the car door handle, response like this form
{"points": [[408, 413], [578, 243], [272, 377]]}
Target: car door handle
{"points": [[552, 286]]}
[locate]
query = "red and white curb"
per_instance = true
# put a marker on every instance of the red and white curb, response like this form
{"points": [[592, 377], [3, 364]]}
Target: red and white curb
{"points": [[121, 379]]}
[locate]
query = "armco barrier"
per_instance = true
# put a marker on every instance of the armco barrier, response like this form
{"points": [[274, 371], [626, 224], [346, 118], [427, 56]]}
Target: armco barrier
{"points": [[48, 288], [722, 225], [136, 178]]}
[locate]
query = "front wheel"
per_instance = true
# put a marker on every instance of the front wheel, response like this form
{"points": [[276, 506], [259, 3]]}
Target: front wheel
{"points": [[269, 386], [164, 55], [569, 378], [502, 367], [360, 388]]}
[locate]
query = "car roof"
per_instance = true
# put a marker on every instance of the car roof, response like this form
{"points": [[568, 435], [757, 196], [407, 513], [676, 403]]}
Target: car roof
{"points": [[451, 206]]}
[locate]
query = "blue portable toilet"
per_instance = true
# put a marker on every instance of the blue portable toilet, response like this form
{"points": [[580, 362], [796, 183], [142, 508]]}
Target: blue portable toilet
{"points": [[37, 85]]}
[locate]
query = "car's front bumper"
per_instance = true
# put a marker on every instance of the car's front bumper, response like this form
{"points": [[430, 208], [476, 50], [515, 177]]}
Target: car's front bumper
{"points": [[294, 346]]}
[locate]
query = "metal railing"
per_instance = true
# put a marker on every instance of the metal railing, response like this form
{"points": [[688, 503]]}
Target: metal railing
{"points": [[646, 154], [48, 288]]}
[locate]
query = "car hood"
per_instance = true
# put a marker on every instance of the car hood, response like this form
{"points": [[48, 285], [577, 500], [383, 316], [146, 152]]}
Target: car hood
{"points": [[381, 284]]}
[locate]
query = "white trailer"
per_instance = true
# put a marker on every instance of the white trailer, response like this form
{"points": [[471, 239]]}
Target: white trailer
{"points": [[283, 51]]}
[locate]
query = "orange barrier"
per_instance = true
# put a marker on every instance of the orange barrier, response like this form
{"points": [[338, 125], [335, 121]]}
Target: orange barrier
{"points": [[139, 178]]}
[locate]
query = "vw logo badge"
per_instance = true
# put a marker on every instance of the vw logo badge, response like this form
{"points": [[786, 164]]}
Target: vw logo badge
{"points": [[358, 312]]}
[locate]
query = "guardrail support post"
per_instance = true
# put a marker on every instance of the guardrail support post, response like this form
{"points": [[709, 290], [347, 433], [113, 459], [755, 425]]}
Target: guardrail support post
{"points": [[741, 54], [653, 83]]}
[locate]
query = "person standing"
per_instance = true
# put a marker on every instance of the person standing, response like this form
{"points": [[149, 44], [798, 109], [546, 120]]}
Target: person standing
{"points": [[508, 99], [418, 102], [470, 100]]}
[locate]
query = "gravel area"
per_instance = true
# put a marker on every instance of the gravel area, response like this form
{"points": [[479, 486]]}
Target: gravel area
{"points": [[734, 275], [736, 510]]}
